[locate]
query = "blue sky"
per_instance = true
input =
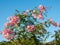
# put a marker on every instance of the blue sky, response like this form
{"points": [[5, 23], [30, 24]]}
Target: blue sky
{"points": [[7, 8]]}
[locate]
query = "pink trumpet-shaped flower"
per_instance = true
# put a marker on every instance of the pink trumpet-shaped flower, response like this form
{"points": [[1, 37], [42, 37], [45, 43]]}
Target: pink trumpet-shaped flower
{"points": [[42, 8], [5, 31], [8, 37], [14, 19], [30, 28], [33, 27], [40, 17], [8, 24], [51, 20], [58, 24], [8, 34], [54, 23]]}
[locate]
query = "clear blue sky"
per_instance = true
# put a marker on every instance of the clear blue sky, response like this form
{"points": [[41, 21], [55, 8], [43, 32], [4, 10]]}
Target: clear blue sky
{"points": [[7, 8]]}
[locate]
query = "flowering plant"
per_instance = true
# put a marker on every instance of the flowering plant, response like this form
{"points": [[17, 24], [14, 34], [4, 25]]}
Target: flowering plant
{"points": [[28, 26]]}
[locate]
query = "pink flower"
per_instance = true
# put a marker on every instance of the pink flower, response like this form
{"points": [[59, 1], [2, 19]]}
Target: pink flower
{"points": [[40, 17], [53, 23], [8, 34], [8, 24], [5, 31], [58, 25], [42, 8], [34, 15], [14, 19], [8, 37], [51, 20], [30, 28]]}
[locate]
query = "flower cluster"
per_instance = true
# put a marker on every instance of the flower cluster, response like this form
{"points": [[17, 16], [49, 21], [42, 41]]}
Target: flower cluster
{"points": [[27, 21], [54, 23], [30, 28], [42, 8], [8, 34], [14, 19], [8, 24], [39, 16]]}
